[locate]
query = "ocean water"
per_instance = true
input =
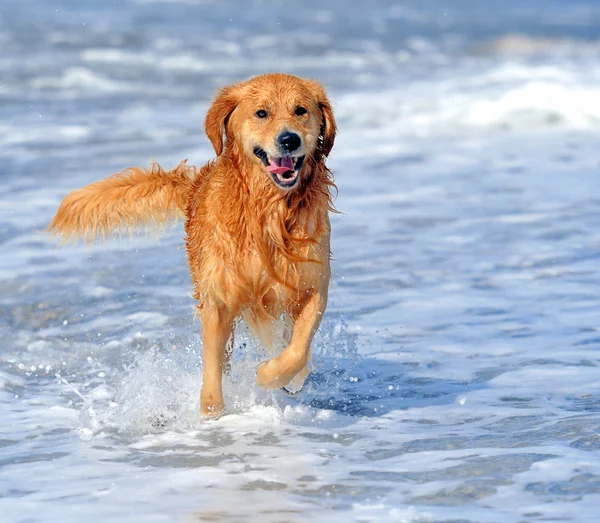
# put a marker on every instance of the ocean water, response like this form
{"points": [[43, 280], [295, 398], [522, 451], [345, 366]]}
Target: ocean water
{"points": [[457, 371]]}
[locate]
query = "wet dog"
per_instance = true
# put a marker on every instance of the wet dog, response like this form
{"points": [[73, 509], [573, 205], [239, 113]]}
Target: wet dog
{"points": [[256, 222]]}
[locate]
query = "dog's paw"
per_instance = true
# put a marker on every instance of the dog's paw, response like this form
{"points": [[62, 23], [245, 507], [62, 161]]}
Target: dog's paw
{"points": [[296, 384], [291, 391], [267, 376], [212, 412], [264, 378]]}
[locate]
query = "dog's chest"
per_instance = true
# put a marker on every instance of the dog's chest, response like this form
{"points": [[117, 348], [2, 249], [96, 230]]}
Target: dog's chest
{"points": [[285, 277], [257, 274]]}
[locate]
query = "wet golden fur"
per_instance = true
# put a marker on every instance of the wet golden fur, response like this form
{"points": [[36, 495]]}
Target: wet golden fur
{"points": [[255, 249]]}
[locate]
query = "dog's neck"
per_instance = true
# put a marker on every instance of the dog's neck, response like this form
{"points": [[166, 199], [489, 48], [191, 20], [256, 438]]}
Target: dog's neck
{"points": [[279, 222], [263, 196]]}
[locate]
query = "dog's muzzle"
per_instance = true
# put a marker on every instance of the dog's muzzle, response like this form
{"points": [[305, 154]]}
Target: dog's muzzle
{"points": [[283, 169]]}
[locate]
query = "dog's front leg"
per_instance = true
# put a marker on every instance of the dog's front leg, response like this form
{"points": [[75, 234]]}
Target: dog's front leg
{"points": [[278, 372], [217, 325]]}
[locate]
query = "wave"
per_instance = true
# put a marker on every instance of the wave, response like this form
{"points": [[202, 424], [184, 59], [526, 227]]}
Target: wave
{"points": [[508, 96]]}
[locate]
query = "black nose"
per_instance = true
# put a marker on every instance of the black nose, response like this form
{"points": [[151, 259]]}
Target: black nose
{"points": [[289, 142]]}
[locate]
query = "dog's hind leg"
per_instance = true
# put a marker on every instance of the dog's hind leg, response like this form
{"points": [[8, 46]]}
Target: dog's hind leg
{"points": [[229, 351], [217, 327]]}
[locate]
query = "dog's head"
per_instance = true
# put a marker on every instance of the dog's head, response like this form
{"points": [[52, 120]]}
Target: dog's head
{"points": [[277, 121]]}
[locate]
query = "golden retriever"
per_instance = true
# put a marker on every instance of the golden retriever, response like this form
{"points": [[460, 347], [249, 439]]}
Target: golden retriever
{"points": [[256, 222]]}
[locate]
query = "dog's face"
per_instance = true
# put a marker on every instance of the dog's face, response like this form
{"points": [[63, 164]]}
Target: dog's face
{"points": [[277, 121], [279, 129]]}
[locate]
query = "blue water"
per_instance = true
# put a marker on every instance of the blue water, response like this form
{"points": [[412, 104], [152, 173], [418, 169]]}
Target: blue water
{"points": [[456, 372]]}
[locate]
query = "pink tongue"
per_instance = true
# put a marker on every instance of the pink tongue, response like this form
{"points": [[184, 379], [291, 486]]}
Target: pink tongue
{"points": [[281, 165]]}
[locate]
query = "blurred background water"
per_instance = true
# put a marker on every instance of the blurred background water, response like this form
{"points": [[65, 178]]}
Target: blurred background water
{"points": [[457, 368]]}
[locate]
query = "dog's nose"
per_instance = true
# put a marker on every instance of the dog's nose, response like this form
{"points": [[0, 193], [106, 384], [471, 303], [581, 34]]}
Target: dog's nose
{"points": [[289, 142]]}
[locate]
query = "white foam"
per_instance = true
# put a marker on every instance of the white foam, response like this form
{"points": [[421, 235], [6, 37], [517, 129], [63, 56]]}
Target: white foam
{"points": [[507, 96], [41, 131], [81, 78]]}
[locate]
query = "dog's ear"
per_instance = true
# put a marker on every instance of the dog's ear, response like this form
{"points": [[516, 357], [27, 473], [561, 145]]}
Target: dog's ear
{"points": [[215, 123], [328, 126]]}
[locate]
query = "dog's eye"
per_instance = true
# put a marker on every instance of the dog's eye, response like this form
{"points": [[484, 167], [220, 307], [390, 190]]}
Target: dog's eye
{"points": [[261, 113], [300, 111]]}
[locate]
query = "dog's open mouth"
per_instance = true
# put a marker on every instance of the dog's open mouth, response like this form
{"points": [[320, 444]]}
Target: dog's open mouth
{"points": [[284, 169]]}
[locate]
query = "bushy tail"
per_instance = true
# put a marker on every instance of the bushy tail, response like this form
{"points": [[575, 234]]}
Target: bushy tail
{"points": [[121, 202]]}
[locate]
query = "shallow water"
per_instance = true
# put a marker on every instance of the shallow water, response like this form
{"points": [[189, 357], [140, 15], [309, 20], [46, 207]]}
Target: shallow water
{"points": [[456, 373]]}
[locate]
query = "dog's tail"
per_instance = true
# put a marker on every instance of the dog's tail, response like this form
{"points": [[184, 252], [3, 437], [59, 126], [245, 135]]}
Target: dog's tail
{"points": [[121, 202]]}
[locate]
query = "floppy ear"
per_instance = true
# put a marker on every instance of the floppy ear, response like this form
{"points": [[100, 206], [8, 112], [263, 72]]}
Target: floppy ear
{"points": [[328, 126], [329, 129], [216, 119]]}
